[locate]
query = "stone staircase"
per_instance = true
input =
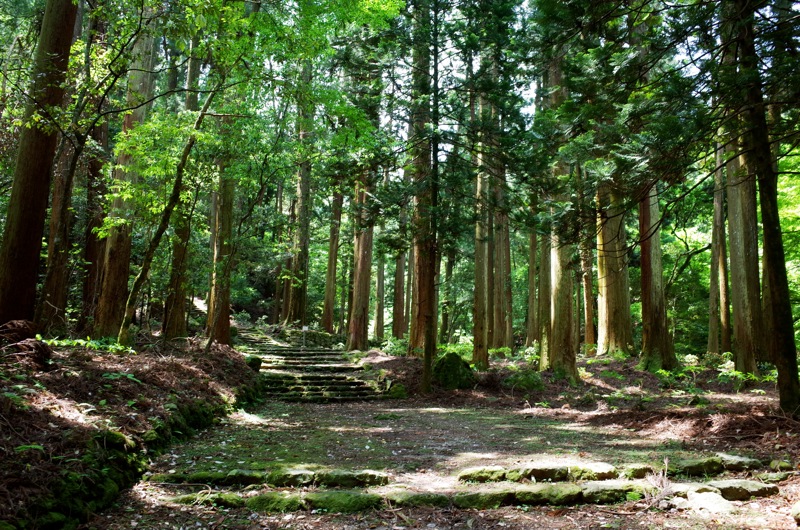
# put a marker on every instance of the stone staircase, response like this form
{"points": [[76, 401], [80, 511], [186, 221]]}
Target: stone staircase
{"points": [[312, 374]]}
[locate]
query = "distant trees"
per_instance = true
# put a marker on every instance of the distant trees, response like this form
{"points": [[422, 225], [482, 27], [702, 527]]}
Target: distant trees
{"points": [[524, 195]]}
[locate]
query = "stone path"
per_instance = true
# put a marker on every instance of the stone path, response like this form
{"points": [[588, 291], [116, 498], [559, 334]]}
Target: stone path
{"points": [[307, 374]]}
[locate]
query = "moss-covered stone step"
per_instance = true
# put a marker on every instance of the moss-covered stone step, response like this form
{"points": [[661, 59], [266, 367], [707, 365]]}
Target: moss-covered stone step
{"points": [[547, 472], [283, 477], [482, 497]]}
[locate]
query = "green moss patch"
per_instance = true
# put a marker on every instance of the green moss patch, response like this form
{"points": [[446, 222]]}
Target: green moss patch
{"points": [[223, 500], [342, 501], [560, 494], [276, 502]]}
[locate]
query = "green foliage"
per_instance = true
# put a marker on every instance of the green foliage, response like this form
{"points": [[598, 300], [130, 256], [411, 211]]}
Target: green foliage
{"points": [[527, 379], [121, 375], [397, 347], [105, 344]]}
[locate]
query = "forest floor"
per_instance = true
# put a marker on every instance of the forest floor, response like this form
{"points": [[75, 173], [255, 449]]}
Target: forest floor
{"points": [[617, 415]]}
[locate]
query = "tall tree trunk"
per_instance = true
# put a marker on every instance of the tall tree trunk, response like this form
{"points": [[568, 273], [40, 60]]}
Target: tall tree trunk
{"points": [[532, 325], [543, 309], [424, 175], [398, 298], [51, 312], [27, 207], [94, 249], [175, 305], [719, 327], [448, 305], [780, 337], [116, 262], [615, 328], [658, 351], [298, 293], [380, 295], [480, 346], [218, 327], [410, 279], [333, 258], [358, 328], [742, 214], [561, 352]]}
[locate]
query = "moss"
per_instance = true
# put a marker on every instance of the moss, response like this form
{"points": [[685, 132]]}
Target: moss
{"points": [[7, 526], [223, 500], [561, 494], [397, 391], [482, 500], [254, 362], [697, 467], [244, 477], [453, 372], [482, 474], [344, 478], [291, 477], [343, 501], [275, 501], [412, 498]]}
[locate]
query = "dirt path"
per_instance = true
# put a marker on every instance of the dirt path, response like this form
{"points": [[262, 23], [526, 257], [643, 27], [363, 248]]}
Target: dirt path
{"points": [[422, 446]]}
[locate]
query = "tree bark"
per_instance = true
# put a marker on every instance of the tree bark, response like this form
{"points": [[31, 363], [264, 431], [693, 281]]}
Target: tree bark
{"points": [[175, 305], [780, 337], [116, 262], [358, 328], [658, 351], [719, 327], [742, 209], [333, 258], [95, 247], [398, 298], [218, 327], [543, 309], [298, 292], [532, 325], [27, 207], [615, 329]]}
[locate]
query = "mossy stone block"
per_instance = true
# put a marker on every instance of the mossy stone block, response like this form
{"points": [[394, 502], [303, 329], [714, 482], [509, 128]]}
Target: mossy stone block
{"points": [[633, 471], [343, 501], [738, 463], [773, 477], [244, 477], [698, 467], [483, 500], [204, 477], [482, 474], [781, 465], [610, 491], [558, 494], [370, 477], [344, 478], [291, 477], [223, 500], [413, 498], [593, 471], [276, 502], [397, 391], [453, 372], [539, 472], [254, 362], [741, 490]]}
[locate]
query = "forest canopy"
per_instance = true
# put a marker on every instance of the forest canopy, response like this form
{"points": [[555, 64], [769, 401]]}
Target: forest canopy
{"points": [[563, 177]]}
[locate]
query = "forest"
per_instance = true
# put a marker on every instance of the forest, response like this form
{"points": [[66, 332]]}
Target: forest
{"points": [[553, 181], [500, 173]]}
